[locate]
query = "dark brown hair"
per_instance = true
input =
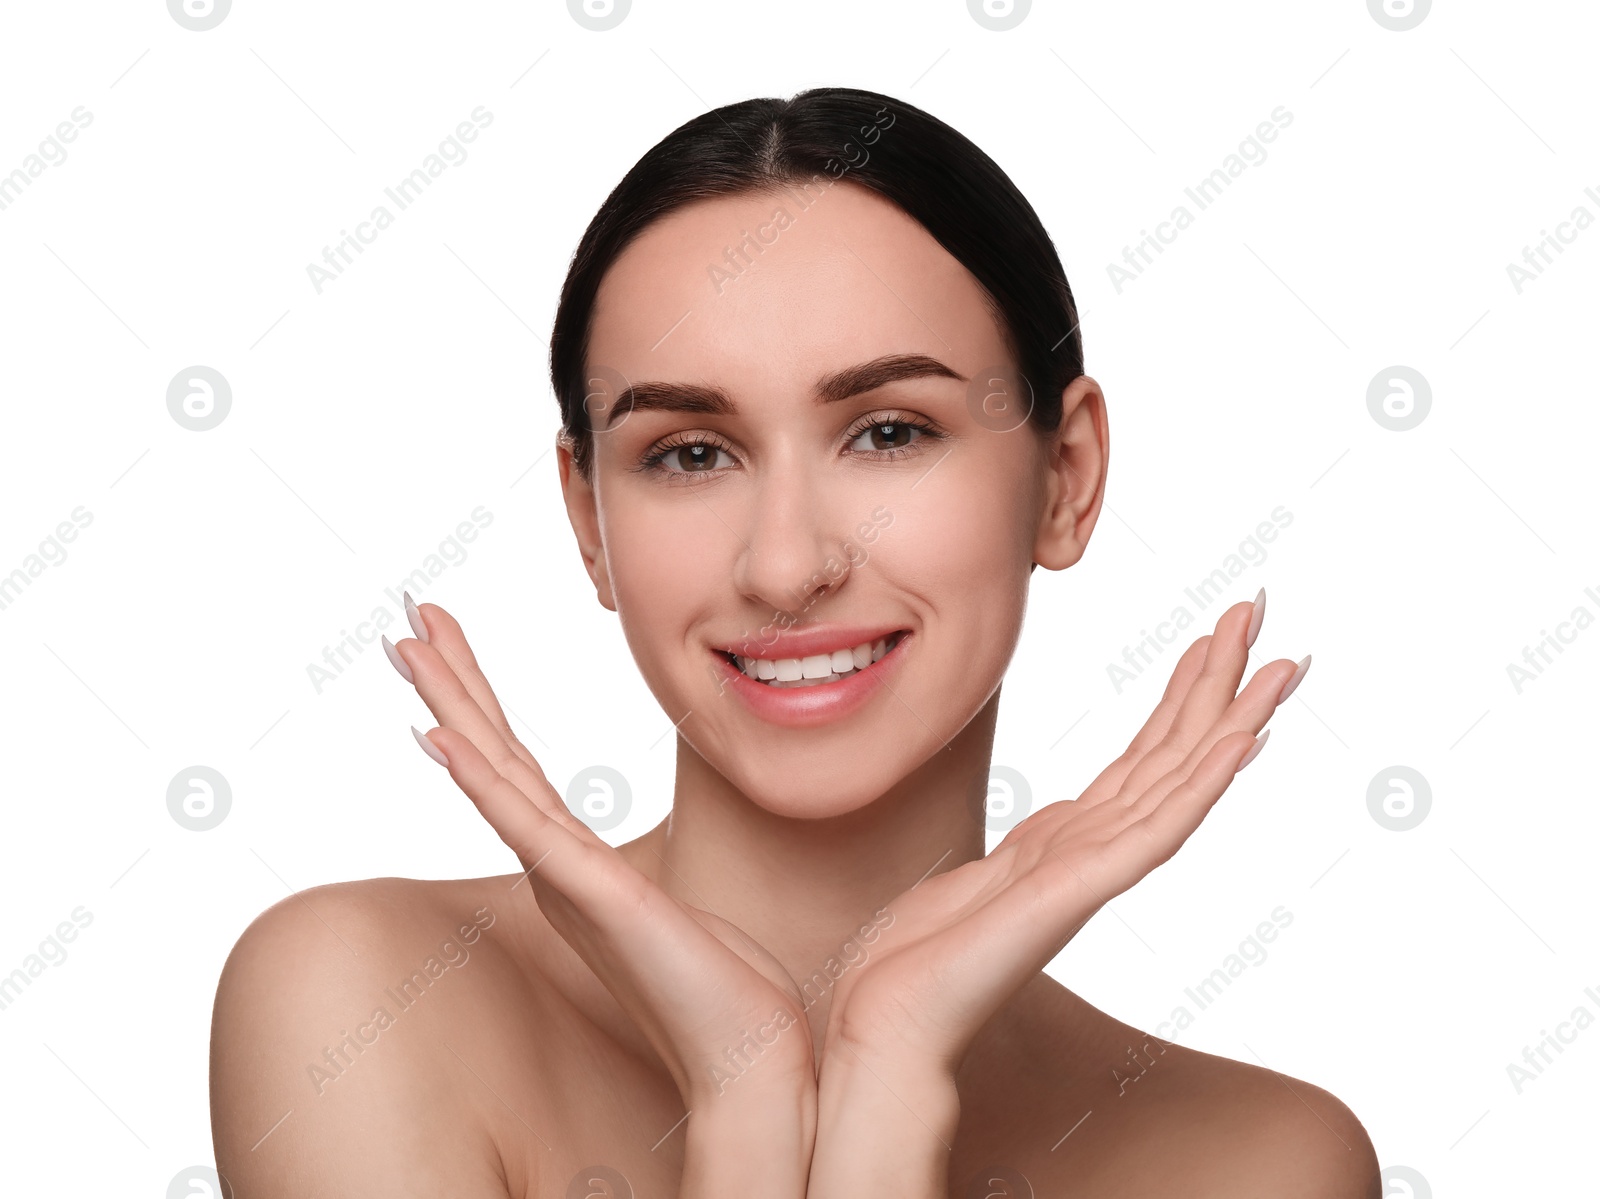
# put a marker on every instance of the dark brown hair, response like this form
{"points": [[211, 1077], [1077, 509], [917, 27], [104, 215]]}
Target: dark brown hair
{"points": [[917, 162]]}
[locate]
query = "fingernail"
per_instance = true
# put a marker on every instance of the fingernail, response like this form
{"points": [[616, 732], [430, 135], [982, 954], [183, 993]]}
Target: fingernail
{"points": [[398, 662], [1255, 618], [1294, 679], [415, 617], [432, 750], [1250, 754]]}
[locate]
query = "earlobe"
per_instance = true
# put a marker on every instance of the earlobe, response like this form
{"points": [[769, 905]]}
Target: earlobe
{"points": [[1077, 453]]}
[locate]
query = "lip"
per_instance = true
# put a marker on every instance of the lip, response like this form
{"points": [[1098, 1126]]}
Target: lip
{"points": [[815, 639], [806, 707]]}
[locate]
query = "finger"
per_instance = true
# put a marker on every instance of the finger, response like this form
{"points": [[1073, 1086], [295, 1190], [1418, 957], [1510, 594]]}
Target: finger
{"points": [[1207, 699], [454, 707], [1170, 822], [1109, 781], [563, 858], [445, 636], [1249, 711]]}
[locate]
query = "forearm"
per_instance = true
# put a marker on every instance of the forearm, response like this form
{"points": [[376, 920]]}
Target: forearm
{"points": [[755, 1141], [882, 1130]]}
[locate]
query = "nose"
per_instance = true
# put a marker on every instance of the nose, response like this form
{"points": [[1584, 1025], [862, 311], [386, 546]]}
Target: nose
{"points": [[793, 542]]}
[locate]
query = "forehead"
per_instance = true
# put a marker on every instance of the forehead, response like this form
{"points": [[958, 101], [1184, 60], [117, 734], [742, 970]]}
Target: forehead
{"points": [[747, 288]]}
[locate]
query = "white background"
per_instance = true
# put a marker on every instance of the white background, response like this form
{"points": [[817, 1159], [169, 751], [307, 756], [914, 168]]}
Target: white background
{"points": [[369, 420]]}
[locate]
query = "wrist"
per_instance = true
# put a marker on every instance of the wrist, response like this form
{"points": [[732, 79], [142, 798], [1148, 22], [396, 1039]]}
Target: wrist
{"points": [[750, 1139], [883, 1126]]}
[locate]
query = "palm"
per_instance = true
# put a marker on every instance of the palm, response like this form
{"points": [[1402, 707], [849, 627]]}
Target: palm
{"points": [[695, 985], [962, 942]]}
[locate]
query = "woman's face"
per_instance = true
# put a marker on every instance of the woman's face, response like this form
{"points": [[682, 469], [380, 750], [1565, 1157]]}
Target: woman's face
{"points": [[807, 494]]}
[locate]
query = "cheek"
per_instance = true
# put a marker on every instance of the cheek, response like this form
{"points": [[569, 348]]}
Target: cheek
{"points": [[968, 550], [665, 568]]}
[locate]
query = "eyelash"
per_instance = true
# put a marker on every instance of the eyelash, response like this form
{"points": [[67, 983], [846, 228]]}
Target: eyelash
{"points": [[652, 461]]}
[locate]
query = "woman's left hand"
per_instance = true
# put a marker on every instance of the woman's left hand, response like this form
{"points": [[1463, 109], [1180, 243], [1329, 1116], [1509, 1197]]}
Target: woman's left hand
{"points": [[963, 942]]}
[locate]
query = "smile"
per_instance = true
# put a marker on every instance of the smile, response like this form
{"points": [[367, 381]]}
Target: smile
{"points": [[815, 670]]}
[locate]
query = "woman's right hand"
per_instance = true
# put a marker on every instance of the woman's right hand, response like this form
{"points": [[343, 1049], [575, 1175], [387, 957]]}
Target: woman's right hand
{"points": [[694, 984]]}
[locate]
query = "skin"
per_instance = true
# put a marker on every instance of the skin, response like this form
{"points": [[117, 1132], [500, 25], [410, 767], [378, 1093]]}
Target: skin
{"points": [[599, 1002]]}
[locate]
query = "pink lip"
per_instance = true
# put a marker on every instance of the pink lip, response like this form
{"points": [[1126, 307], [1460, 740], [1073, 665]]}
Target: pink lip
{"points": [[806, 707], [815, 639]]}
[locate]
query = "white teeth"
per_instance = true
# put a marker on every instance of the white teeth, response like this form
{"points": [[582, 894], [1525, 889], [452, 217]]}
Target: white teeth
{"points": [[815, 668]]}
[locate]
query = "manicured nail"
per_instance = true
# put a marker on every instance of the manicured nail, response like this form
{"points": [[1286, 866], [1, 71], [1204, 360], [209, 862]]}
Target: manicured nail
{"points": [[398, 662], [433, 751], [415, 617], [1250, 754], [1255, 618], [1294, 679]]}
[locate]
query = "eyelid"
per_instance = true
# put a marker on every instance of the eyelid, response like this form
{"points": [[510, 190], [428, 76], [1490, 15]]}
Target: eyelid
{"points": [[890, 416], [651, 462]]}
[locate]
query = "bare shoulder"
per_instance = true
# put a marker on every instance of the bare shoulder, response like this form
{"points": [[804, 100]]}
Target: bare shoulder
{"points": [[331, 1058], [1073, 1096], [1240, 1129]]}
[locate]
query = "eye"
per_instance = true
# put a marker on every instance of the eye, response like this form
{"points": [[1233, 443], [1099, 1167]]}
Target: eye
{"points": [[694, 455], [892, 434]]}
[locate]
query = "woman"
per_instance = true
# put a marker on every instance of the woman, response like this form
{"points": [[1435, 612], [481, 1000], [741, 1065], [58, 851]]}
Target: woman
{"points": [[824, 412]]}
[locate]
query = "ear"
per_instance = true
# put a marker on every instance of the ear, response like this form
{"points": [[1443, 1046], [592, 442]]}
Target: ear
{"points": [[581, 511], [1075, 476]]}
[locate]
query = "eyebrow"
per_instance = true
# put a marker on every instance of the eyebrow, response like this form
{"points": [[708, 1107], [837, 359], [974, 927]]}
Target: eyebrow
{"points": [[830, 389]]}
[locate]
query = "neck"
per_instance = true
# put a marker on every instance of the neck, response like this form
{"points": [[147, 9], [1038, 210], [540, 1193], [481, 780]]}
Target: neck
{"points": [[804, 889]]}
